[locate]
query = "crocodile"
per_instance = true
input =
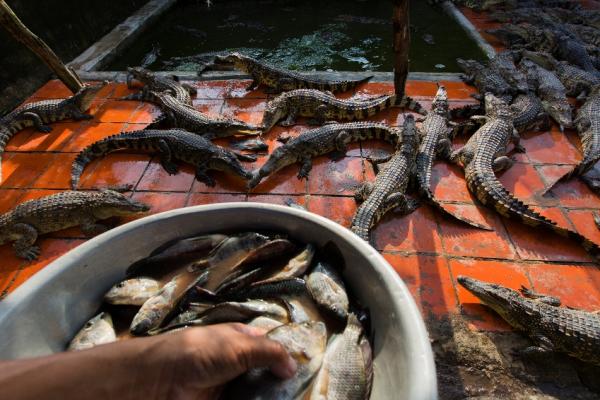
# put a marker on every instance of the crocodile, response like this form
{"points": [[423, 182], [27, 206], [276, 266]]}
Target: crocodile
{"points": [[183, 116], [279, 80], [586, 34], [550, 326], [551, 91], [388, 192], [504, 64], [485, 153], [435, 135], [325, 107], [157, 83], [55, 212], [484, 79], [42, 113], [330, 138], [587, 122], [578, 83], [171, 145]]}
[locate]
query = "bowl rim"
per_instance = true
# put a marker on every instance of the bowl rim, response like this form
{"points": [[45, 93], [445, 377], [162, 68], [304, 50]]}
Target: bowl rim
{"points": [[425, 379]]}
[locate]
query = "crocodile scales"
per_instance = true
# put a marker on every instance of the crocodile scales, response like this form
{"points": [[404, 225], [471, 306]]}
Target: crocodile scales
{"points": [[388, 190], [325, 107], [485, 153], [331, 138], [435, 141], [279, 80], [484, 79], [59, 211], [156, 83], [42, 113], [171, 145], [551, 327], [183, 116]]}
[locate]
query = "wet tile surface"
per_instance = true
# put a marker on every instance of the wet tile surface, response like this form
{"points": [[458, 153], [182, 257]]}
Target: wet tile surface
{"points": [[426, 248]]}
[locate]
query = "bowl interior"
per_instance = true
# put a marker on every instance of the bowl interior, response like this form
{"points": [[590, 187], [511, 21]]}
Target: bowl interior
{"points": [[43, 314]]}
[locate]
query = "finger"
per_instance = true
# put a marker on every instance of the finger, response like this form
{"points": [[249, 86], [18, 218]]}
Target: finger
{"points": [[249, 330], [260, 352]]}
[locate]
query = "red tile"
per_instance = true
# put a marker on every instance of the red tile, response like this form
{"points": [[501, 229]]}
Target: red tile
{"points": [[576, 286], [462, 240], [93, 132], [157, 179], [416, 232], [330, 177], [58, 176], [19, 170], [550, 148], [54, 89], [284, 181], [116, 111], [114, 170], [225, 183], [9, 198], [538, 243], [448, 183], [375, 89], [429, 281], [54, 141], [199, 199], [19, 139], [459, 90], [120, 90], [337, 209], [420, 88], [247, 110], [524, 182], [146, 113], [210, 107], [473, 212], [159, 202], [211, 89], [237, 90], [571, 193], [504, 273], [281, 200], [583, 220]]}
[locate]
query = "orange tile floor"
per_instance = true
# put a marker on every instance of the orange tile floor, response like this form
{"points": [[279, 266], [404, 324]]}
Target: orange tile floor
{"points": [[426, 249]]}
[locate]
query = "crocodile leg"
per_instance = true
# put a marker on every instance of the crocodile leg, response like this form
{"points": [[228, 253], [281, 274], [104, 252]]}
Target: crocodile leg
{"points": [[305, 168], [166, 158], [544, 347], [37, 121], [202, 176], [91, 228], [77, 115], [363, 192], [502, 164], [550, 300], [25, 236]]}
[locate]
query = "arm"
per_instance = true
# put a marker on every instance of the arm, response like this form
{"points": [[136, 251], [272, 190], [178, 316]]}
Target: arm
{"points": [[195, 362]]}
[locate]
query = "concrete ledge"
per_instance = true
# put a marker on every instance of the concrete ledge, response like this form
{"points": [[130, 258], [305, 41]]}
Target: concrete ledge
{"points": [[473, 33], [119, 76], [112, 44]]}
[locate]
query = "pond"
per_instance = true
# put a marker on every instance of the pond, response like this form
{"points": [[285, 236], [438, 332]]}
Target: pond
{"points": [[339, 35]]}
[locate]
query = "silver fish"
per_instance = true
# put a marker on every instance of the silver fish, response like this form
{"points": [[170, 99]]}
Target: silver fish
{"points": [[265, 323], [98, 330], [133, 292], [347, 370], [296, 266], [327, 289], [306, 343], [156, 309]]}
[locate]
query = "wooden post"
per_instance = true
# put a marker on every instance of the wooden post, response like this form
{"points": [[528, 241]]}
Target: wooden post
{"points": [[401, 24], [22, 34]]}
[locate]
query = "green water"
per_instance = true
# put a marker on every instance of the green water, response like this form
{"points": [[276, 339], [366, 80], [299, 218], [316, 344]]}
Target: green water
{"points": [[339, 35]]}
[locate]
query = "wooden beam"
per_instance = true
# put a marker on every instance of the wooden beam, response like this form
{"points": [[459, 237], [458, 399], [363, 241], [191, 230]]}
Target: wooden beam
{"points": [[16, 28], [401, 25]]}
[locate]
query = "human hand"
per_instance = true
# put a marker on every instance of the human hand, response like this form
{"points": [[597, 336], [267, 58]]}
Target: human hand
{"points": [[195, 363]]}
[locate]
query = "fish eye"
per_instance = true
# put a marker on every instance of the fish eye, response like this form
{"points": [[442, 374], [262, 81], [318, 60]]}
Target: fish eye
{"points": [[88, 324], [120, 284]]}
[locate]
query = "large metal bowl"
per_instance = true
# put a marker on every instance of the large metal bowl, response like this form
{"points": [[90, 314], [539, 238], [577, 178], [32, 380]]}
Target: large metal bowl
{"points": [[43, 314]]}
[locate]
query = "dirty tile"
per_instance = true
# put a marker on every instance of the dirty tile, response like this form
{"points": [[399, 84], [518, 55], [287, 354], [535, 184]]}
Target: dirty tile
{"points": [[375, 89], [550, 148], [462, 240], [472, 212], [282, 200], [504, 273], [337, 209], [576, 286], [19, 170], [538, 243], [210, 107], [146, 113], [459, 91], [247, 110], [448, 183], [90, 133], [115, 170], [19, 139], [524, 182], [200, 199], [121, 90], [59, 175], [571, 193], [416, 232], [157, 179], [583, 220], [342, 177], [429, 281], [237, 90], [211, 89], [373, 149], [10, 199], [61, 134]]}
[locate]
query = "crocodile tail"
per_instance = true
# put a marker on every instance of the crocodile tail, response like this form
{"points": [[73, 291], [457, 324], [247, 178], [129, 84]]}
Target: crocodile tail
{"points": [[410, 104], [365, 218], [491, 193]]}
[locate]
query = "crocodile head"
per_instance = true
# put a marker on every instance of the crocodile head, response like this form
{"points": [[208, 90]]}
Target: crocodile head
{"points": [[440, 101], [138, 73], [116, 204], [279, 158], [275, 111], [501, 299], [83, 99], [236, 59], [496, 107], [228, 162], [469, 66], [561, 112]]}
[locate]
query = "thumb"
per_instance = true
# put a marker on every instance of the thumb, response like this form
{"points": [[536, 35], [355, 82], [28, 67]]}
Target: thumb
{"points": [[261, 352]]}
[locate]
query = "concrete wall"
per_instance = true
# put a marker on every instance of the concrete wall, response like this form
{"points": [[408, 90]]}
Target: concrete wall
{"points": [[68, 26]]}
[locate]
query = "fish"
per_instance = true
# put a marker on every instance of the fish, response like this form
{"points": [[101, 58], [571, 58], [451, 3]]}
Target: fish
{"points": [[180, 250], [151, 57], [132, 292], [232, 312], [265, 323], [249, 145], [306, 343], [296, 266], [98, 330], [278, 289], [327, 289], [347, 369]]}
